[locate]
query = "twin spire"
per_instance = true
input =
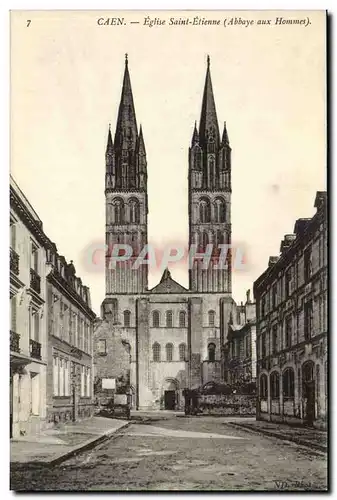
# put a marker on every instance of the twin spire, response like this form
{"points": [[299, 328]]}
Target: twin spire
{"points": [[208, 118], [209, 127], [126, 155], [127, 137]]}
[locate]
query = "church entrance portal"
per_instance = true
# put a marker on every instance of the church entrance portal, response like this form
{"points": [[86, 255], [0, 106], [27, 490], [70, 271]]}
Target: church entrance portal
{"points": [[170, 394], [170, 400]]}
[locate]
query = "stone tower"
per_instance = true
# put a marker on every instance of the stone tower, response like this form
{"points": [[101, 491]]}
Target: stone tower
{"points": [[209, 197], [126, 198]]}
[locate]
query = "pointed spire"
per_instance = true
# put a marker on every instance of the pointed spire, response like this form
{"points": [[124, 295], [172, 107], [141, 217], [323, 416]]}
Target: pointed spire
{"points": [[195, 137], [109, 156], [109, 146], [141, 144], [225, 138], [208, 118], [126, 129]]}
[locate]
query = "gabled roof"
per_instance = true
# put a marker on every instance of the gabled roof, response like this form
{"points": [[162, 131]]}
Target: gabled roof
{"points": [[168, 285]]}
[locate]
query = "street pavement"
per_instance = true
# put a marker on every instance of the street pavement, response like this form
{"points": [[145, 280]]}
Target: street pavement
{"points": [[53, 445], [172, 453]]}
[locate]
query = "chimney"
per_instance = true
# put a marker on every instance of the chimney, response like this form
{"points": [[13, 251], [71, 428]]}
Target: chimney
{"points": [[272, 260], [287, 241], [248, 296], [300, 226], [320, 200]]}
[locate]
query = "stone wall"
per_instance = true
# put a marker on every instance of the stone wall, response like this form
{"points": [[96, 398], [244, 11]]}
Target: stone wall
{"points": [[115, 362], [227, 404]]}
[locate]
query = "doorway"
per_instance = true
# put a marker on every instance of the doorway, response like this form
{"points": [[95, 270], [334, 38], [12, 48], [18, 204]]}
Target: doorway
{"points": [[308, 391], [170, 400]]}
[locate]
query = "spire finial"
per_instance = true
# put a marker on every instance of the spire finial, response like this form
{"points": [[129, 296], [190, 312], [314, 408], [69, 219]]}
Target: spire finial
{"points": [[110, 127], [208, 61], [126, 59]]}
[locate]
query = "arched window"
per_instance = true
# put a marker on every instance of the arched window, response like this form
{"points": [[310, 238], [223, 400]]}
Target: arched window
{"points": [[134, 211], [219, 210], [318, 385], [169, 319], [211, 144], [134, 241], [211, 168], [307, 377], [110, 213], [288, 383], [118, 205], [205, 210], [155, 319], [198, 159], [156, 351], [211, 352], [169, 352], [203, 241], [220, 237], [263, 386], [182, 352], [127, 318], [211, 318], [275, 385], [182, 319]]}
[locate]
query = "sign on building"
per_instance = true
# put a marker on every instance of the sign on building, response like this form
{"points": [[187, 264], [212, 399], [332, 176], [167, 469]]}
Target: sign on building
{"points": [[108, 383]]}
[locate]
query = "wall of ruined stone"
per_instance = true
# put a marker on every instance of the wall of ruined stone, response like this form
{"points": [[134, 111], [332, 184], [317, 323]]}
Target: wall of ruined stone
{"points": [[227, 404], [115, 363]]}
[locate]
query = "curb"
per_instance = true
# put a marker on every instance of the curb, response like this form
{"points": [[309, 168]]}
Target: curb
{"points": [[284, 437], [87, 445]]}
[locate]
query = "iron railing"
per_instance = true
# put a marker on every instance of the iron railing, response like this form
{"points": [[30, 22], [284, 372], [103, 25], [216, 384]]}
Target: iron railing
{"points": [[35, 281], [14, 261], [15, 341], [35, 349]]}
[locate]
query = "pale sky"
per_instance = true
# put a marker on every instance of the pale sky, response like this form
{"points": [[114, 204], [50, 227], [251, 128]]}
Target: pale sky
{"points": [[269, 86]]}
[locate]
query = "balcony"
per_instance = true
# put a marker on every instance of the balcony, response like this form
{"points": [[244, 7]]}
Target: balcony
{"points": [[35, 281], [14, 262], [35, 349], [15, 342]]}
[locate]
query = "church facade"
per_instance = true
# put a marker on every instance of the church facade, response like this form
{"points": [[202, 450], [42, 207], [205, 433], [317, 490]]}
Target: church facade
{"points": [[175, 335]]}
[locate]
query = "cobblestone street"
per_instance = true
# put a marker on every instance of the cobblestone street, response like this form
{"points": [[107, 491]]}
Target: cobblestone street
{"points": [[201, 453]]}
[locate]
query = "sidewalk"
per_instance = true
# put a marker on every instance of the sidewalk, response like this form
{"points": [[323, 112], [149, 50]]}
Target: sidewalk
{"points": [[305, 436], [55, 445]]}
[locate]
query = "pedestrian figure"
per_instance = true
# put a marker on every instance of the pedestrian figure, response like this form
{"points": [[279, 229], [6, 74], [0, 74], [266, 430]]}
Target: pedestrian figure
{"points": [[187, 397], [194, 402]]}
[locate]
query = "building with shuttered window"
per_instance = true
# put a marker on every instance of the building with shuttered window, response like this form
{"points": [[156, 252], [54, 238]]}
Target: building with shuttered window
{"points": [[51, 328], [292, 326], [28, 332], [70, 343]]}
